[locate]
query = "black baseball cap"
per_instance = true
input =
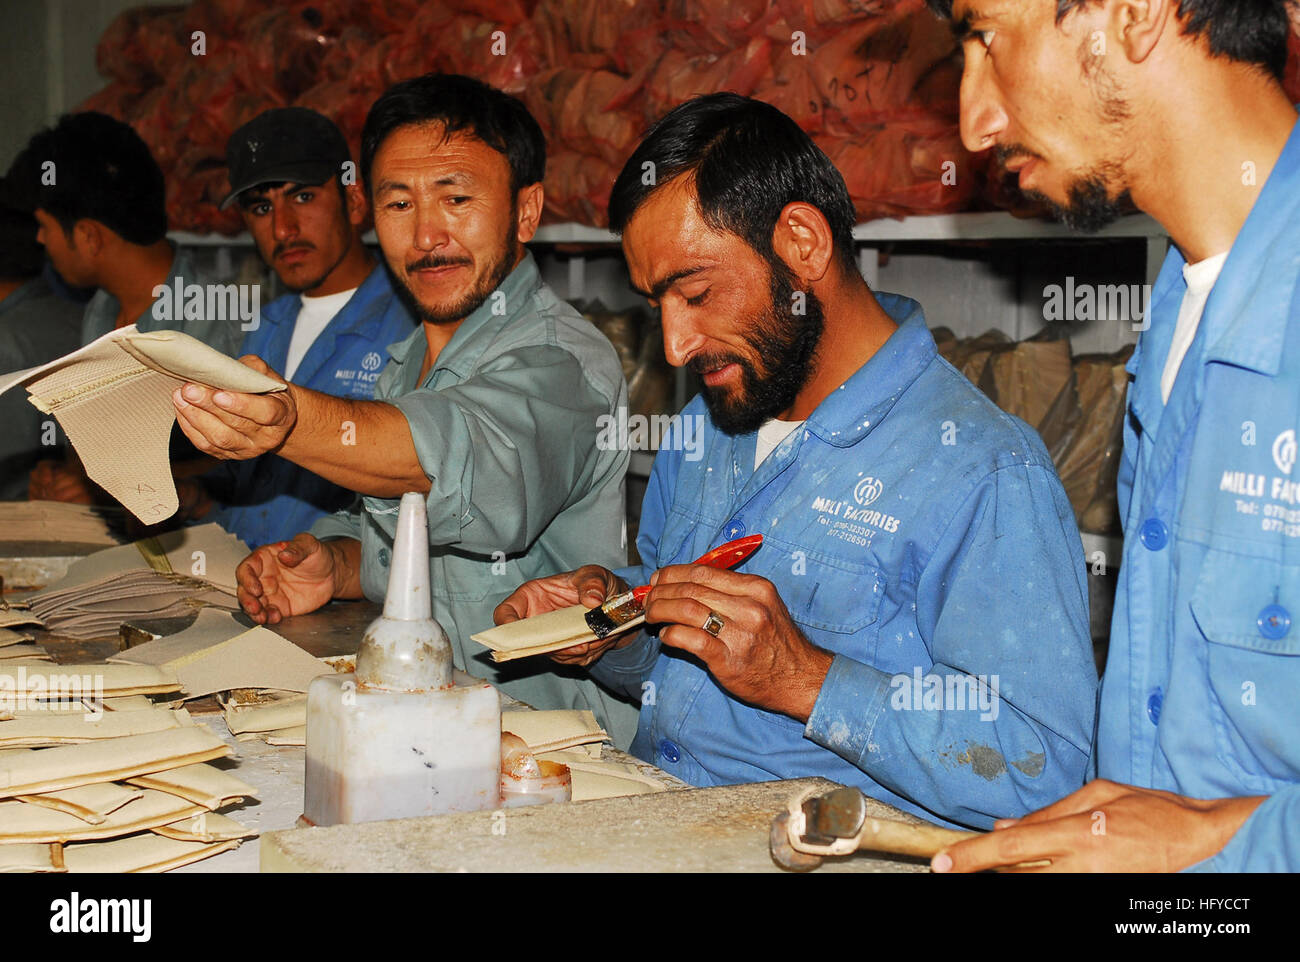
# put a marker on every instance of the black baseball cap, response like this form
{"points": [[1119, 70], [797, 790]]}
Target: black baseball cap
{"points": [[286, 145]]}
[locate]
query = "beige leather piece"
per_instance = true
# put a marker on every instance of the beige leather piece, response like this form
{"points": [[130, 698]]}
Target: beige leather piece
{"points": [[258, 658], [31, 858], [553, 631], [113, 400], [202, 784], [55, 521], [34, 730], [211, 627], [21, 822], [128, 703], [89, 679], [90, 803], [286, 713], [24, 651], [140, 853], [288, 736], [548, 731], [205, 827], [52, 769], [18, 616], [10, 637]]}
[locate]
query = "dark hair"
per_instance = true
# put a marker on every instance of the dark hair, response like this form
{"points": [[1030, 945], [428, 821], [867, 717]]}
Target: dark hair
{"points": [[1248, 31], [459, 104], [749, 161], [21, 258], [102, 171]]}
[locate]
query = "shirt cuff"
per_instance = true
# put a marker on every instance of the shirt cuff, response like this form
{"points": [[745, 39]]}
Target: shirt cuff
{"points": [[447, 503], [847, 707], [1266, 842], [341, 524]]}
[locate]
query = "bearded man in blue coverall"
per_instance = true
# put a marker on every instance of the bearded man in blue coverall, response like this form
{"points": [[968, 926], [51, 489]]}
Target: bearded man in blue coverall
{"points": [[916, 620], [1198, 744]]}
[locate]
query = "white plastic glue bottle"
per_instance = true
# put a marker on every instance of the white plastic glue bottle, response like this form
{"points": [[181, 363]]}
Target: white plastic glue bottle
{"points": [[398, 740]]}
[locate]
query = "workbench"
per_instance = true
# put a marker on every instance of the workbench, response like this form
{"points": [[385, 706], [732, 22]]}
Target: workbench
{"points": [[680, 829]]}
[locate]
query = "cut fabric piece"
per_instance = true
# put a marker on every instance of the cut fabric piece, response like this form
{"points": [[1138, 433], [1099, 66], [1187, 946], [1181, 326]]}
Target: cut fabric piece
{"points": [[90, 803], [11, 637], [18, 616], [210, 628], [258, 658], [36, 772], [202, 784], [89, 680], [553, 631], [288, 736], [21, 822], [548, 731], [37, 730], [26, 857], [205, 827], [24, 652], [139, 853], [284, 713], [113, 400], [46, 521]]}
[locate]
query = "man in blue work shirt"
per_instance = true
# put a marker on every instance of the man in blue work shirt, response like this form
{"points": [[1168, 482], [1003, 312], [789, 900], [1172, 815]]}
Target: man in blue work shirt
{"points": [[1198, 746], [915, 622], [288, 169], [491, 408]]}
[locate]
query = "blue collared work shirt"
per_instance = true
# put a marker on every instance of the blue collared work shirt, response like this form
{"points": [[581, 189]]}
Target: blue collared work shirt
{"points": [[268, 498], [922, 536], [1202, 686]]}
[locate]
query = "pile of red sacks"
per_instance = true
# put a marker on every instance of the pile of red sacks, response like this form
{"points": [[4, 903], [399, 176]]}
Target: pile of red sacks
{"points": [[873, 81]]}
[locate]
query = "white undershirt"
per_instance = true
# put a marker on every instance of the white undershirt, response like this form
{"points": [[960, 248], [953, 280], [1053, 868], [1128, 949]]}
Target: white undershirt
{"points": [[1200, 278], [771, 434], [313, 317]]}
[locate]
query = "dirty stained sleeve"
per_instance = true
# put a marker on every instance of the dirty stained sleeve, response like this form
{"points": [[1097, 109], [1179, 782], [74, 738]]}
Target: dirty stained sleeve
{"points": [[1001, 722]]}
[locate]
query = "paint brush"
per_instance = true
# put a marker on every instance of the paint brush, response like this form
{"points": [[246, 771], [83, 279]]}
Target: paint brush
{"points": [[619, 610]]}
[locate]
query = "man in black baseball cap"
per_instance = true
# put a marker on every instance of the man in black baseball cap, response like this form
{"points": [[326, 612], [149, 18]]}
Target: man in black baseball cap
{"points": [[292, 177]]}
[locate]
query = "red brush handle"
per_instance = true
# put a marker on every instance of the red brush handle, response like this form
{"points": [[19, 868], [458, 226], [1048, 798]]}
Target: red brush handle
{"points": [[724, 556]]}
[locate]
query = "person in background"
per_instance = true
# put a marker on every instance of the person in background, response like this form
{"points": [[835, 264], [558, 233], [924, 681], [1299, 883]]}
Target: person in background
{"points": [[1176, 107], [98, 199], [36, 326], [287, 171], [491, 408], [878, 637]]}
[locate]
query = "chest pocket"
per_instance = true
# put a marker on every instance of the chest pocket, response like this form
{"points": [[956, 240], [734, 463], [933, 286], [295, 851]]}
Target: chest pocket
{"points": [[831, 594], [1245, 607]]}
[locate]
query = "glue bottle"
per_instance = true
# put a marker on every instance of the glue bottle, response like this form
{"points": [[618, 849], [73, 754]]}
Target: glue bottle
{"points": [[398, 739]]}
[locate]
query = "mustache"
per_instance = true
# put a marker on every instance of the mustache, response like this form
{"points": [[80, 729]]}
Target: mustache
{"points": [[1006, 153], [433, 262], [703, 363], [295, 246]]}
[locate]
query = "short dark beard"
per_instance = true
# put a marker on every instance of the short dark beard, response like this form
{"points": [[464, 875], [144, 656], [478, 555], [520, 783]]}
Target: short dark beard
{"points": [[1091, 206], [786, 346], [498, 270]]}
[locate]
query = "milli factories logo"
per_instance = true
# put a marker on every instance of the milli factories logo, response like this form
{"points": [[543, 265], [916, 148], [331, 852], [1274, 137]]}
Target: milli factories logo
{"points": [[1284, 451], [867, 491]]}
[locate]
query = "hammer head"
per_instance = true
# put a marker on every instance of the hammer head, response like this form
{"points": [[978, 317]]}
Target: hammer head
{"points": [[783, 853]]}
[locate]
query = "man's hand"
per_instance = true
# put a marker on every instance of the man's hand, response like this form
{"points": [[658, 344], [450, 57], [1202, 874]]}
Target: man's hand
{"points": [[289, 578], [57, 481], [591, 585], [233, 426], [1107, 827], [759, 655]]}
